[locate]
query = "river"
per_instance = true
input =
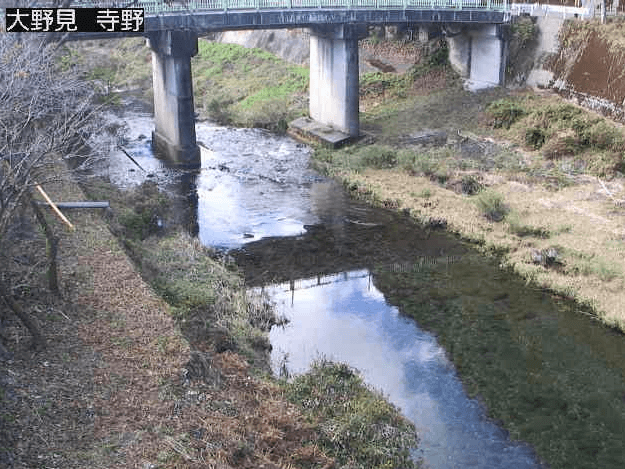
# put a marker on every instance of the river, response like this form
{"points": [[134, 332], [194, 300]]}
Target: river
{"points": [[341, 272]]}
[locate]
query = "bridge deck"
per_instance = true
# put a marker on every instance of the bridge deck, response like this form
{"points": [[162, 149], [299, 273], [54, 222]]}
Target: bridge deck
{"points": [[202, 16], [219, 15], [154, 7]]}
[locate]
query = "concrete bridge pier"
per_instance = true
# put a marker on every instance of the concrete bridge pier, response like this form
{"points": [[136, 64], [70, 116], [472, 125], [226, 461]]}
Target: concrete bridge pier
{"points": [[334, 76], [479, 54], [174, 121]]}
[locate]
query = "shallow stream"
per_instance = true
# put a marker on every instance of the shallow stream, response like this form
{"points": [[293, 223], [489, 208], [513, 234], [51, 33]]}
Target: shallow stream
{"points": [[342, 271]]}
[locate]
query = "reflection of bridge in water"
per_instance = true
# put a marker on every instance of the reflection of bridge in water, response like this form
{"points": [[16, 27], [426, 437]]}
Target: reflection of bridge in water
{"points": [[388, 242], [320, 281], [477, 39]]}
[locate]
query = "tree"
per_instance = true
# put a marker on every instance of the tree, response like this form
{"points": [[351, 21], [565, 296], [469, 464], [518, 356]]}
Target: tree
{"points": [[45, 117]]}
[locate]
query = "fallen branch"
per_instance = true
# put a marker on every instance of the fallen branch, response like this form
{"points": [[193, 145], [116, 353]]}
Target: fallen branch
{"points": [[131, 158], [616, 201]]}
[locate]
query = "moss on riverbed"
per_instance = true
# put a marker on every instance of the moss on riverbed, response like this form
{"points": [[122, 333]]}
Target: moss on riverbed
{"points": [[550, 375], [568, 204], [566, 402]]}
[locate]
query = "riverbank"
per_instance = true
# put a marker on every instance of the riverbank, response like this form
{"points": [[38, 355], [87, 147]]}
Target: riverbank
{"points": [[556, 219], [161, 361], [437, 148], [173, 373]]}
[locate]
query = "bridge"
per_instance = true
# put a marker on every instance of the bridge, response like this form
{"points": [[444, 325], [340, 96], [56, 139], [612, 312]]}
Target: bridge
{"points": [[477, 42]]}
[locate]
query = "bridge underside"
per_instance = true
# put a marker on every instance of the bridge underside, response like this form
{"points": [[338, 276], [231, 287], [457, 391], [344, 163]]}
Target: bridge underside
{"points": [[333, 60]]}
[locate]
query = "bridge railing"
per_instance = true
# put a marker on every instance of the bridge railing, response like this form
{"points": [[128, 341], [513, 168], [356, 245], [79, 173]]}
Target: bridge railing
{"points": [[153, 7]]}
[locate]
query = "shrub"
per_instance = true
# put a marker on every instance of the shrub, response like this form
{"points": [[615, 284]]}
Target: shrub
{"points": [[521, 230], [535, 137], [471, 185], [505, 112], [441, 175], [492, 206], [601, 135], [219, 111], [379, 157], [563, 143], [440, 56], [562, 112], [524, 30], [425, 193]]}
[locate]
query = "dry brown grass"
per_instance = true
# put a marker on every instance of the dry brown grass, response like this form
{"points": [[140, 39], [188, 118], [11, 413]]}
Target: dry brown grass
{"points": [[584, 223]]}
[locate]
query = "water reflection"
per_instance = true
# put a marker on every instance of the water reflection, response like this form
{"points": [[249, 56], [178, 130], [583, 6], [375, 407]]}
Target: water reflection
{"points": [[343, 317], [253, 184], [256, 193]]}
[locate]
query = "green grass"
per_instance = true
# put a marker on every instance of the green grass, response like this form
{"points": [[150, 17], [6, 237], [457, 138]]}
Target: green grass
{"points": [[583, 264], [435, 163], [425, 193], [248, 87], [357, 426], [559, 129], [522, 230], [492, 205]]}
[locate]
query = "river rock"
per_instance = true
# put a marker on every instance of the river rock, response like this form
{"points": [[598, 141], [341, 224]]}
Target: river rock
{"points": [[427, 137], [199, 367], [545, 257]]}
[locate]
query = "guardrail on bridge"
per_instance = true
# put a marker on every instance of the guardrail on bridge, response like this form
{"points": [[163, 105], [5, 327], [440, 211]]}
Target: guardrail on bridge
{"points": [[153, 7]]}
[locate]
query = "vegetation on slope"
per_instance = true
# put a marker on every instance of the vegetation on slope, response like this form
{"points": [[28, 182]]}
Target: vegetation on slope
{"points": [[248, 87]]}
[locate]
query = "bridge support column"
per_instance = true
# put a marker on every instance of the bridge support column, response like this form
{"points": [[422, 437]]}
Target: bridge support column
{"points": [[479, 54], [334, 76], [174, 119]]}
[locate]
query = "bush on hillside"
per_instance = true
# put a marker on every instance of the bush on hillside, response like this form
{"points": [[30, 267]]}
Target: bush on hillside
{"points": [[505, 112], [492, 206]]}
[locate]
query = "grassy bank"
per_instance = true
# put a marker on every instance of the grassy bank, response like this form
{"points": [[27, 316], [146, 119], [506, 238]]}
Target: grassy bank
{"points": [[225, 329], [345, 421], [532, 177], [536, 184], [248, 87], [232, 85], [530, 180]]}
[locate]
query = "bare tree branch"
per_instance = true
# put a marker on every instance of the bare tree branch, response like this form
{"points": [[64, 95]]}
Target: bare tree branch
{"points": [[45, 117]]}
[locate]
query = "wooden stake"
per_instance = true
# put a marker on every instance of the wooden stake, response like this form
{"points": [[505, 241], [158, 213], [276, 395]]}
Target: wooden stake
{"points": [[54, 207]]}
